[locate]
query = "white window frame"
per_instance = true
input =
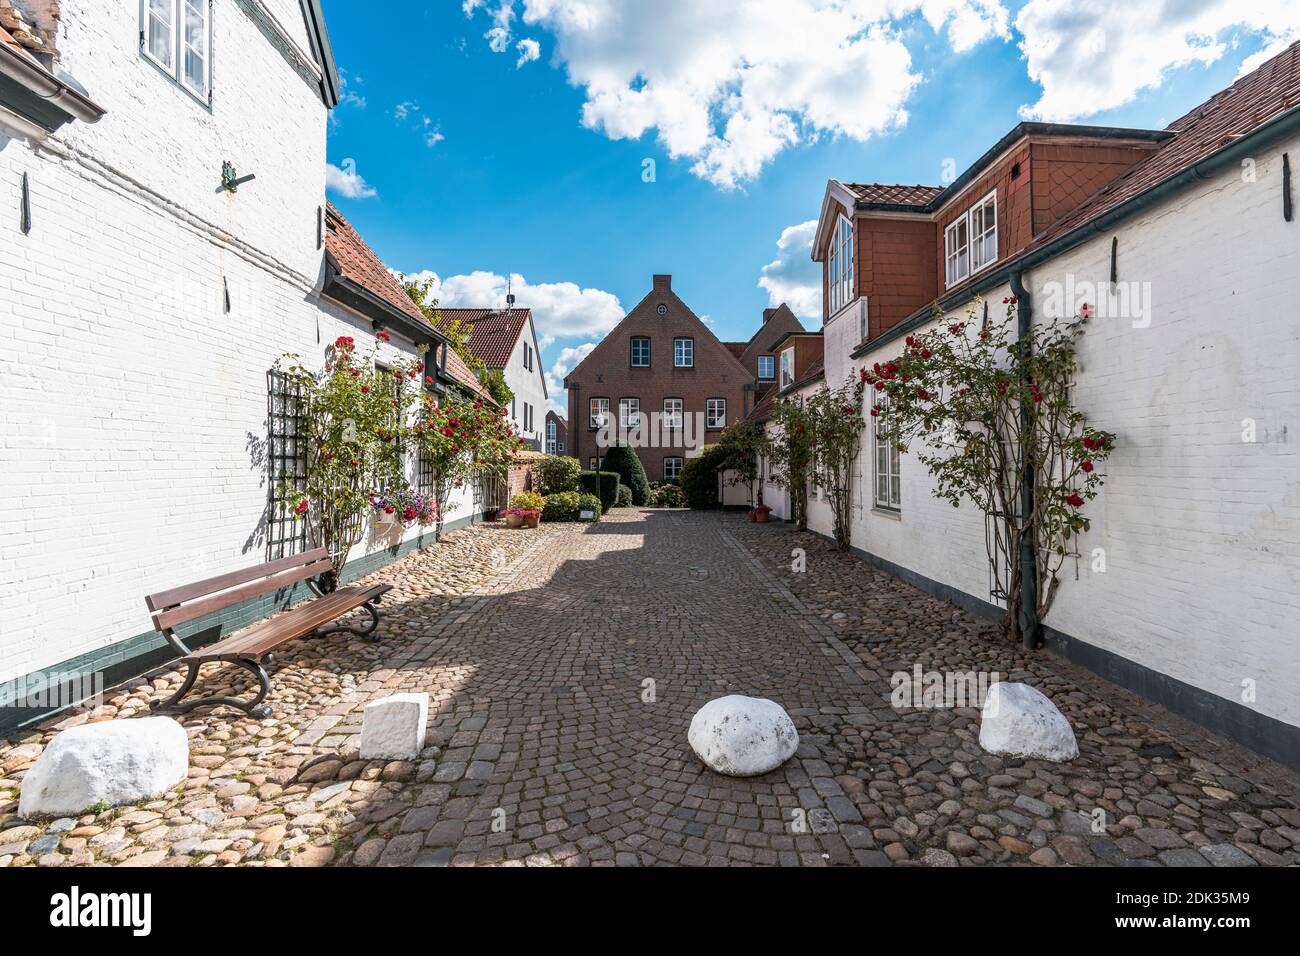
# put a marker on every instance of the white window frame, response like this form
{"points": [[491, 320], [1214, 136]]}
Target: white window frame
{"points": [[674, 414], [678, 469], [631, 351], [787, 367], [965, 257], [598, 419], [550, 438], [886, 466], [712, 420], [177, 46], [771, 362], [840, 280], [629, 412], [683, 352]]}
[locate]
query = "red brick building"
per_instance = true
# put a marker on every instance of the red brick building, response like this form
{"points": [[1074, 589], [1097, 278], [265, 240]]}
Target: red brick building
{"points": [[662, 370], [557, 434]]}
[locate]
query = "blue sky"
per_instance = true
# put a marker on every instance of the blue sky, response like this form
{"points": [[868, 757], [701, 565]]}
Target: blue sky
{"points": [[493, 139]]}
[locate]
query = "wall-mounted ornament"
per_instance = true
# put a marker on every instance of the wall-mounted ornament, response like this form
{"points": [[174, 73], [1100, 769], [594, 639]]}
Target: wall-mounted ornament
{"points": [[230, 180]]}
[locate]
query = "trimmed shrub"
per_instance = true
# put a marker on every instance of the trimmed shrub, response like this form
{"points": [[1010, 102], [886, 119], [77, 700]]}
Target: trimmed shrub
{"points": [[602, 484], [631, 472], [590, 503], [700, 477], [562, 506], [556, 473], [529, 500], [668, 496], [624, 499]]}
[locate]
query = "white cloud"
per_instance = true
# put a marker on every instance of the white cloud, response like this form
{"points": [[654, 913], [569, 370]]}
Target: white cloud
{"points": [[1100, 57], [730, 84], [432, 134], [347, 182], [792, 277], [557, 394], [529, 50], [404, 109]]}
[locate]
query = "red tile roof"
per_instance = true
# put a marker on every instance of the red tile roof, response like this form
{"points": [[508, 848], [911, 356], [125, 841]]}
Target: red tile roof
{"points": [[357, 261], [495, 332], [1250, 102], [892, 193]]}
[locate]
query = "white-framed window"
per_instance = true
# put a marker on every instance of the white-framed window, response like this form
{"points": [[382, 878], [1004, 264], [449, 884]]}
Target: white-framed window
{"points": [[971, 242], [984, 233], [684, 353], [176, 35], [888, 482], [599, 412], [640, 352], [767, 367], [715, 413], [629, 412], [550, 438], [528, 356], [840, 280], [672, 469], [787, 367], [673, 414]]}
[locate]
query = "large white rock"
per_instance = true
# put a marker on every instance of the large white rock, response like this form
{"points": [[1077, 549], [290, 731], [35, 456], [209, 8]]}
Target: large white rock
{"points": [[1019, 721], [110, 763], [392, 728], [743, 736]]}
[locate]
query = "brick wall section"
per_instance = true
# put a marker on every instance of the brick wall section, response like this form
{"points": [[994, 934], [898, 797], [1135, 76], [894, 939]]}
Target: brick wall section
{"points": [[1066, 174], [606, 373]]}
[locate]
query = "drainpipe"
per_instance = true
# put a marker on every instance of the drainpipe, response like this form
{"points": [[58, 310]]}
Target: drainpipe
{"points": [[1028, 555]]}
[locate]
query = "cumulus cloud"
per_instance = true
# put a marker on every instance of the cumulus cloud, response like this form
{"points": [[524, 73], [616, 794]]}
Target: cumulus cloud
{"points": [[792, 277], [729, 84], [345, 181], [558, 395], [1102, 57]]}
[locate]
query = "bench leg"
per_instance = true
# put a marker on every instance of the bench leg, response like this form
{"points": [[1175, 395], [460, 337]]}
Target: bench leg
{"points": [[254, 707], [368, 631]]}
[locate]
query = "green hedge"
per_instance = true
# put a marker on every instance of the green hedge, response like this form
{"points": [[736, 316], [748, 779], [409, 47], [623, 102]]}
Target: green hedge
{"points": [[624, 499], [602, 484], [627, 463], [556, 473], [700, 477]]}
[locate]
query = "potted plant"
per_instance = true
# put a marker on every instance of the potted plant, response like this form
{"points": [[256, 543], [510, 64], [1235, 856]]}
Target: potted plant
{"points": [[530, 505], [407, 507], [759, 514], [514, 517]]}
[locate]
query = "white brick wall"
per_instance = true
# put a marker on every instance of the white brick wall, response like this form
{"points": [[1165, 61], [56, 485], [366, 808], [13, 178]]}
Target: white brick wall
{"points": [[1201, 530], [132, 407], [528, 386]]}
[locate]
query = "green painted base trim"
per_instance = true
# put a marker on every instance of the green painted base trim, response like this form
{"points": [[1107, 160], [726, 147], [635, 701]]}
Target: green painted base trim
{"points": [[133, 656]]}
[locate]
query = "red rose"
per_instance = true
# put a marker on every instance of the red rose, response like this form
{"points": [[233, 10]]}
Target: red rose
{"points": [[1086, 467], [1074, 501], [365, 389], [382, 336], [302, 507], [389, 509], [428, 380]]}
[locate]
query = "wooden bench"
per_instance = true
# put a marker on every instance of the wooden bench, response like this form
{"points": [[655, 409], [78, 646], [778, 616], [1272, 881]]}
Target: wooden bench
{"points": [[251, 648]]}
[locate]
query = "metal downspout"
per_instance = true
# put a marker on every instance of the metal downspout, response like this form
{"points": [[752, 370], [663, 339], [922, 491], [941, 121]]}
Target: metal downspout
{"points": [[1028, 555]]}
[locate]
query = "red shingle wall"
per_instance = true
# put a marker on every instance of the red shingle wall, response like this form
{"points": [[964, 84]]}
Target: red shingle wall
{"points": [[1067, 174], [896, 269]]}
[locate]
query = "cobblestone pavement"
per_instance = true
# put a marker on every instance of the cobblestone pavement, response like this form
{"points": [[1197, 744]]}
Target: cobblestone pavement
{"points": [[564, 665]]}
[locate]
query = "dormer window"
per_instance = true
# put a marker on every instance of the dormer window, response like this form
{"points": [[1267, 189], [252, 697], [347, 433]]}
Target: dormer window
{"points": [[971, 242], [787, 368], [840, 265], [176, 35]]}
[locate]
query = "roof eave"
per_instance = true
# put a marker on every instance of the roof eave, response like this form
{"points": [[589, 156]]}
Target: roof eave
{"points": [[51, 91]]}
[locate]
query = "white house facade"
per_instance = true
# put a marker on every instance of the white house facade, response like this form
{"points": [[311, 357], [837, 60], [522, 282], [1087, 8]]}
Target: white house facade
{"points": [[144, 300]]}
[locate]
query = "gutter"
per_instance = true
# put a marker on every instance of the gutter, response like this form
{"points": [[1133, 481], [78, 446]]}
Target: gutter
{"points": [[30, 74], [1285, 124], [392, 317]]}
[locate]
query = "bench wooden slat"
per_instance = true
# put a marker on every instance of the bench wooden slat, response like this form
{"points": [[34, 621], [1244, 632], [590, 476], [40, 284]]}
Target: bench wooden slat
{"points": [[255, 641], [188, 592], [263, 585]]}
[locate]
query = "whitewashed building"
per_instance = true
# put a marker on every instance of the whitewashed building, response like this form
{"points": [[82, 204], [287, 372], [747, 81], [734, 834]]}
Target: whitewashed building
{"points": [[1185, 245], [173, 241]]}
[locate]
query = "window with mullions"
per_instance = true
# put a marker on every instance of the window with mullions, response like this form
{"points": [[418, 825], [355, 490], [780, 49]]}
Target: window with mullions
{"points": [[176, 35], [640, 352]]}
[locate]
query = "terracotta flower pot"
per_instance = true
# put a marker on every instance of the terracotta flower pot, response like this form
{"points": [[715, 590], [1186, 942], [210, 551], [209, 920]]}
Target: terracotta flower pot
{"points": [[752, 516], [514, 521], [532, 522], [761, 517]]}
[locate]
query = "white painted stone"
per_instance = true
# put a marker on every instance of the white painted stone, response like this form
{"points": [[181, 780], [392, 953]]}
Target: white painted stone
{"points": [[1018, 721], [743, 736], [114, 762], [393, 728]]}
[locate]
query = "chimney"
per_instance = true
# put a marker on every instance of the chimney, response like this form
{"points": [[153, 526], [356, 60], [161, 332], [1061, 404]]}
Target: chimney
{"points": [[663, 283], [767, 315]]}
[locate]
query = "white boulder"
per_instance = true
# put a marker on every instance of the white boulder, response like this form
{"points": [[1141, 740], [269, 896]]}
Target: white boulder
{"points": [[1018, 721], [109, 763], [393, 728], [743, 736]]}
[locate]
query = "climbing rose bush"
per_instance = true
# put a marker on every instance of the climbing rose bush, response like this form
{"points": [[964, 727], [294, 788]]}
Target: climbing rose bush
{"points": [[356, 416], [984, 410], [834, 417]]}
